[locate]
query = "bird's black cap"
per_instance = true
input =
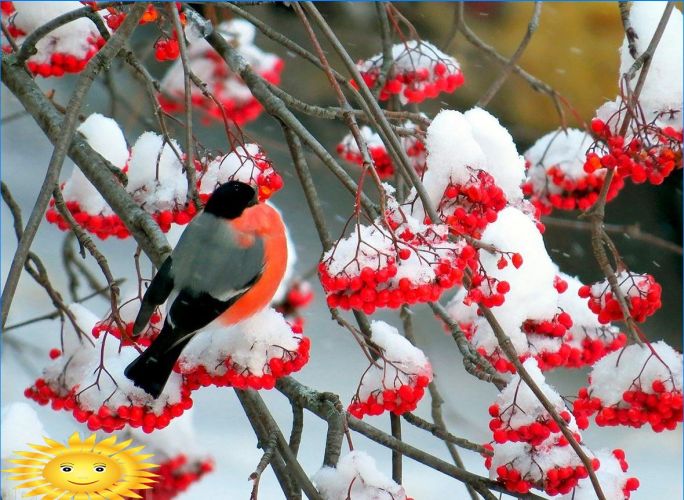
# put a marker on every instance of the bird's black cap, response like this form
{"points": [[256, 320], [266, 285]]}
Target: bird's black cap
{"points": [[229, 200]]}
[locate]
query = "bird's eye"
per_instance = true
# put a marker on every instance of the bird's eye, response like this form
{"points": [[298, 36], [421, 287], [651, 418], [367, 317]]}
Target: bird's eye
{"points": [[66, 468], [99, 468]]}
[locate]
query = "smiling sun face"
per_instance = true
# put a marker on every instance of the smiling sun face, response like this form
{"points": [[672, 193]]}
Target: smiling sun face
{"points": [[82, 472], [82, 468]]}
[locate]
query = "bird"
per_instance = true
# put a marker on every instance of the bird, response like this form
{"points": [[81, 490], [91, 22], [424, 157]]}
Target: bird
{"points": [[226, 267]]}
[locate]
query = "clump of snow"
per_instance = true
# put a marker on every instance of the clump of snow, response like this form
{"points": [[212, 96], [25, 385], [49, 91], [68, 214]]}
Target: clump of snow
{"points": [[401, 362], [20, 427], [247, 164], [155, 174], [74, 38], [662, 90], [531, 294], [356, 476], [248, 346], [104, 135], [636, 368], [460, 143]]}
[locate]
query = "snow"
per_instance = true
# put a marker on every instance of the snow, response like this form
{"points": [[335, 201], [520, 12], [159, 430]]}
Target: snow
{"points": [[458, 144], [155, 174], [250, 345], [532, 295], [356, 476], [400, 364], [104, 135], [20, 427], [71, 38], [243, 164], [614, 374], [662, 90]]}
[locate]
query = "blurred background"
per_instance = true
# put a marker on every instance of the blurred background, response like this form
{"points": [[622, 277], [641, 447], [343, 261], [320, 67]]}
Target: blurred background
{"points": [[575, 50]]}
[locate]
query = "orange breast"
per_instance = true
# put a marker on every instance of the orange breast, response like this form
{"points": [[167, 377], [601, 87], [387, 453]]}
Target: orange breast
{"points": [[264, 221]]}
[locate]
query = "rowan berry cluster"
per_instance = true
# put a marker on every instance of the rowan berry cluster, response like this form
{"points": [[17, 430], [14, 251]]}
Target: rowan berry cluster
{"points": [[238, 376], [406, 267], [101, 225], [348, 149], [248, 164], [228, 98], [556, 177], [175, 475], [166, 49], [469, 207], [420, 71], [641, 291], [639, 385], [529, 448], [107, 418], [397, 400], [650, 154]]}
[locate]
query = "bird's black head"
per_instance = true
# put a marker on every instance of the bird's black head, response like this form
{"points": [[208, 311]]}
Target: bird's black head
{"points": [[229, 200]]}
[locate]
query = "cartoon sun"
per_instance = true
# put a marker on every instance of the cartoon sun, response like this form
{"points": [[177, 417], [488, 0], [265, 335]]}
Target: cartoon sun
{"points": [[83, 469]]}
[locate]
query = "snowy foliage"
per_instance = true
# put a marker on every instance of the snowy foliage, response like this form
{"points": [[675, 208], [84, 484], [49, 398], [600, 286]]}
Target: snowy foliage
{"points": [[356, 476]]}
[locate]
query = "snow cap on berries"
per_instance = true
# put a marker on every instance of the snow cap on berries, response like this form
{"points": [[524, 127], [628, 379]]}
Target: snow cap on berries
{"points": [[74, 38], [662, 90], [457, 142], [614, 374], [403, 360], [255, 351], [104, 135], [524, 408], [356, 476], [78, 368], [155, 174], [246, 163]]}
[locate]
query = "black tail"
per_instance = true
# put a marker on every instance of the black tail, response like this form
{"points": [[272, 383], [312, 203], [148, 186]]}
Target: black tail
{"points": [[151, 370]]}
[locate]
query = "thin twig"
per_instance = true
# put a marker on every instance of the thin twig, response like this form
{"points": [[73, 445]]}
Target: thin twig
{"points": [[190, 173], [508, 68], [630, 231]]}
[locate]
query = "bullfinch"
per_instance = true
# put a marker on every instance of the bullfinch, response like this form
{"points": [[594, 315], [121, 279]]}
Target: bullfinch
{"points": [[226, 266]]}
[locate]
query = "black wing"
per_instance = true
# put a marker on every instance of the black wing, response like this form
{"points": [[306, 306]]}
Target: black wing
{"points": [[158, 291]]}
